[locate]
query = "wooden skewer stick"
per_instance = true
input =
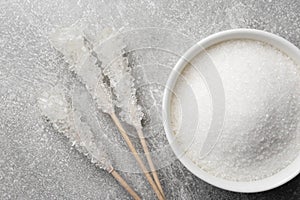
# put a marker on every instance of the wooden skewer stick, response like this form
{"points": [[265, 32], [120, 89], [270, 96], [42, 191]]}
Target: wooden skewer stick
{"points": [[118, 178], [149, 159], [137, 157], [124, 184]]}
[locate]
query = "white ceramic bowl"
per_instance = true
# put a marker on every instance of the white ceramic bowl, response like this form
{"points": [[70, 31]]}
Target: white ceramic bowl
{"points": [[247, 187]]}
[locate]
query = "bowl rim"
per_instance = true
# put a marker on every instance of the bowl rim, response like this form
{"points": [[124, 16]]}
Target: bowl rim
{"points": [[276, 180]]}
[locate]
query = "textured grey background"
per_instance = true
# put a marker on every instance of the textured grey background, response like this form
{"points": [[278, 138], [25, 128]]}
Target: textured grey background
{"points": [[38, 163]]}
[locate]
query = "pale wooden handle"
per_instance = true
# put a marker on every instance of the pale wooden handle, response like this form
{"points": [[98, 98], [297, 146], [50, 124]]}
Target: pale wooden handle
{"points": [[136, 156], [149, 159], [124, 184]]}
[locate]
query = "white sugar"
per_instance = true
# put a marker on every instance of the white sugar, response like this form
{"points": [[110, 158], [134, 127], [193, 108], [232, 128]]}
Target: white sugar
{"points": [[261, 133]]}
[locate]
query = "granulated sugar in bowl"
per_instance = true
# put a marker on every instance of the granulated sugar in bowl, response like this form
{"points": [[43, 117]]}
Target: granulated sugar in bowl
{"points": [[232, 110]]}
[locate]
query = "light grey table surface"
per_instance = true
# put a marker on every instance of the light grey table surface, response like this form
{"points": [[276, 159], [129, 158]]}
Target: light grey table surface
{"points": [[36, 162]]}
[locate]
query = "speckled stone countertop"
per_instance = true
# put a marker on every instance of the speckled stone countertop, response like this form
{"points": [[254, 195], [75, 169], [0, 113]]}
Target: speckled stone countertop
{"points": [[36, 162]]}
